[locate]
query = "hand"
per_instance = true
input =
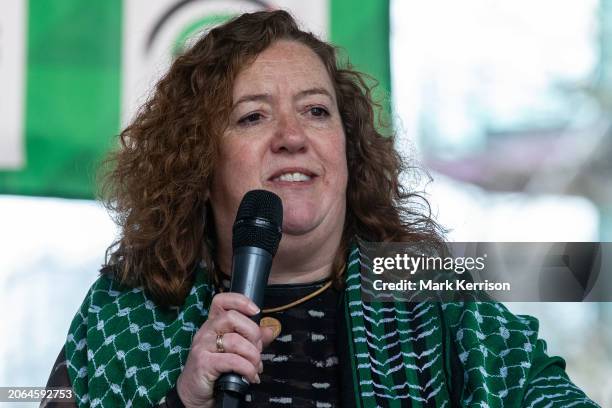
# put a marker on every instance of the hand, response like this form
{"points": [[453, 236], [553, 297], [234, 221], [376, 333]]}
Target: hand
{"points": [[243, 341]]}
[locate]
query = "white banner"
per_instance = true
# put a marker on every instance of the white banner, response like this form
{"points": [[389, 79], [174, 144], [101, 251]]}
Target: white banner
{"points": [[12, 72], [153, 30]]}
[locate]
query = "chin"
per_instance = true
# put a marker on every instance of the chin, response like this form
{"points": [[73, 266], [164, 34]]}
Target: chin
{"points": [[298, 221], [296, 228]]}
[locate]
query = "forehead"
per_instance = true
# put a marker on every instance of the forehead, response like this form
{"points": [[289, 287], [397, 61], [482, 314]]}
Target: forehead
{"points": [[285, 65]]}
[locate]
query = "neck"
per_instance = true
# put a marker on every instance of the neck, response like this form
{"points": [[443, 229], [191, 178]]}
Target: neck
{"points": [[297, 260]]}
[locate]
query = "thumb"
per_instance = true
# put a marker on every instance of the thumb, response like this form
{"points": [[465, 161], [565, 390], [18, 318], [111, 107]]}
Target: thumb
{"points": [[270, 329]]}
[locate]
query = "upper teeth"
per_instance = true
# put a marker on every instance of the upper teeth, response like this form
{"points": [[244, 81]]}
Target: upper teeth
{"points": [[292, 177]]}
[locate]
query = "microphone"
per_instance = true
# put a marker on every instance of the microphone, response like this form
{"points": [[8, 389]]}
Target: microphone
{"points": [[256, 235]]}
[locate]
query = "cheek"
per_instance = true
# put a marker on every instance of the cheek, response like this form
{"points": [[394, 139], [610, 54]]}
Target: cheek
{"points": [[337, 159], [239, 167], [236, 157]]}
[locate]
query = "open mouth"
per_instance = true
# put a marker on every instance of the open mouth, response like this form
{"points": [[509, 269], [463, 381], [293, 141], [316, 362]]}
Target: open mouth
{"points": [[293, 176]]}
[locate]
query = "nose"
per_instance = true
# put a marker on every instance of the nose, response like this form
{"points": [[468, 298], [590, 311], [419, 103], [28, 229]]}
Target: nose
{"points": [[289, 135]]}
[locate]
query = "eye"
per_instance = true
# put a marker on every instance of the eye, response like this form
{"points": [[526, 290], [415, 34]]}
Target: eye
{"points": [[250, 119], [318, 111]]}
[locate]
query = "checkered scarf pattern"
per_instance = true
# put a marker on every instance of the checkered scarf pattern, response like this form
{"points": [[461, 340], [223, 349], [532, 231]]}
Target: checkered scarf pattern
{"points": [[122, 350]]}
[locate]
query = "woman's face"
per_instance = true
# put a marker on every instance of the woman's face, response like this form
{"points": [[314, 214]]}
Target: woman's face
{"points": [[285, 135]]}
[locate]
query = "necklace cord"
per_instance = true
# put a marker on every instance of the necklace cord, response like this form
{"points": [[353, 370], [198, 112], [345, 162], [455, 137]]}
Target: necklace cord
{"points": [[295, 302]]}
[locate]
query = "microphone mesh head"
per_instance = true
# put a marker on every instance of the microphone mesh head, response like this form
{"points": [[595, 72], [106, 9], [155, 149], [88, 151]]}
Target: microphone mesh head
{"points": [[259, 221]]}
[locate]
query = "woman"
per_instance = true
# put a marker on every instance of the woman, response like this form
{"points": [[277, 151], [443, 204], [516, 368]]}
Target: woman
{"points": [[258, 103]]}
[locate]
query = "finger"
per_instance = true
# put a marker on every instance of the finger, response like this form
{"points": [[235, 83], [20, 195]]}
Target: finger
{"points": [[268, 334], [232, 301], [222, 363], [236, 344], [233, 321]]}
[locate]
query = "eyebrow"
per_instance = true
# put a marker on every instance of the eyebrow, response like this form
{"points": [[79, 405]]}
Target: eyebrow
{"points": [[265, 97], [314, 91]]}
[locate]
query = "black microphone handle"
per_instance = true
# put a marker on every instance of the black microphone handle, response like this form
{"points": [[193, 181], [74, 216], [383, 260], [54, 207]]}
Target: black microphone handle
{"points": [[250, 271]]}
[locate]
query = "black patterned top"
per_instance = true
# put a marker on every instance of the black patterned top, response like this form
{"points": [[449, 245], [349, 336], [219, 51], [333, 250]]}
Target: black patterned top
{"points": [[301, 364]]}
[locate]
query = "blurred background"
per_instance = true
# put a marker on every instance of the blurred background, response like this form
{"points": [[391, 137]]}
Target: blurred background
{"points": [[507, 106]]}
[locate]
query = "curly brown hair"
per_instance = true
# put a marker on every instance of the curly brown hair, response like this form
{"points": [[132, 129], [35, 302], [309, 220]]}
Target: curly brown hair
{"points": [[157, 183]]}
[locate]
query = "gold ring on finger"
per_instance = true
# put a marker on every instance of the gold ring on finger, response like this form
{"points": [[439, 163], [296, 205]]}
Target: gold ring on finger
{"points": [[219, 344]]}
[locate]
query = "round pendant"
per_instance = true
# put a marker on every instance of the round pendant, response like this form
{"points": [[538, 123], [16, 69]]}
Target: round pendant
{"points": [[271, 322]]}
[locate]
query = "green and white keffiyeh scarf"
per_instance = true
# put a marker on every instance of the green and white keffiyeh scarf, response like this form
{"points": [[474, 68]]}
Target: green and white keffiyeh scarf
{"points": [[122, 350]]}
